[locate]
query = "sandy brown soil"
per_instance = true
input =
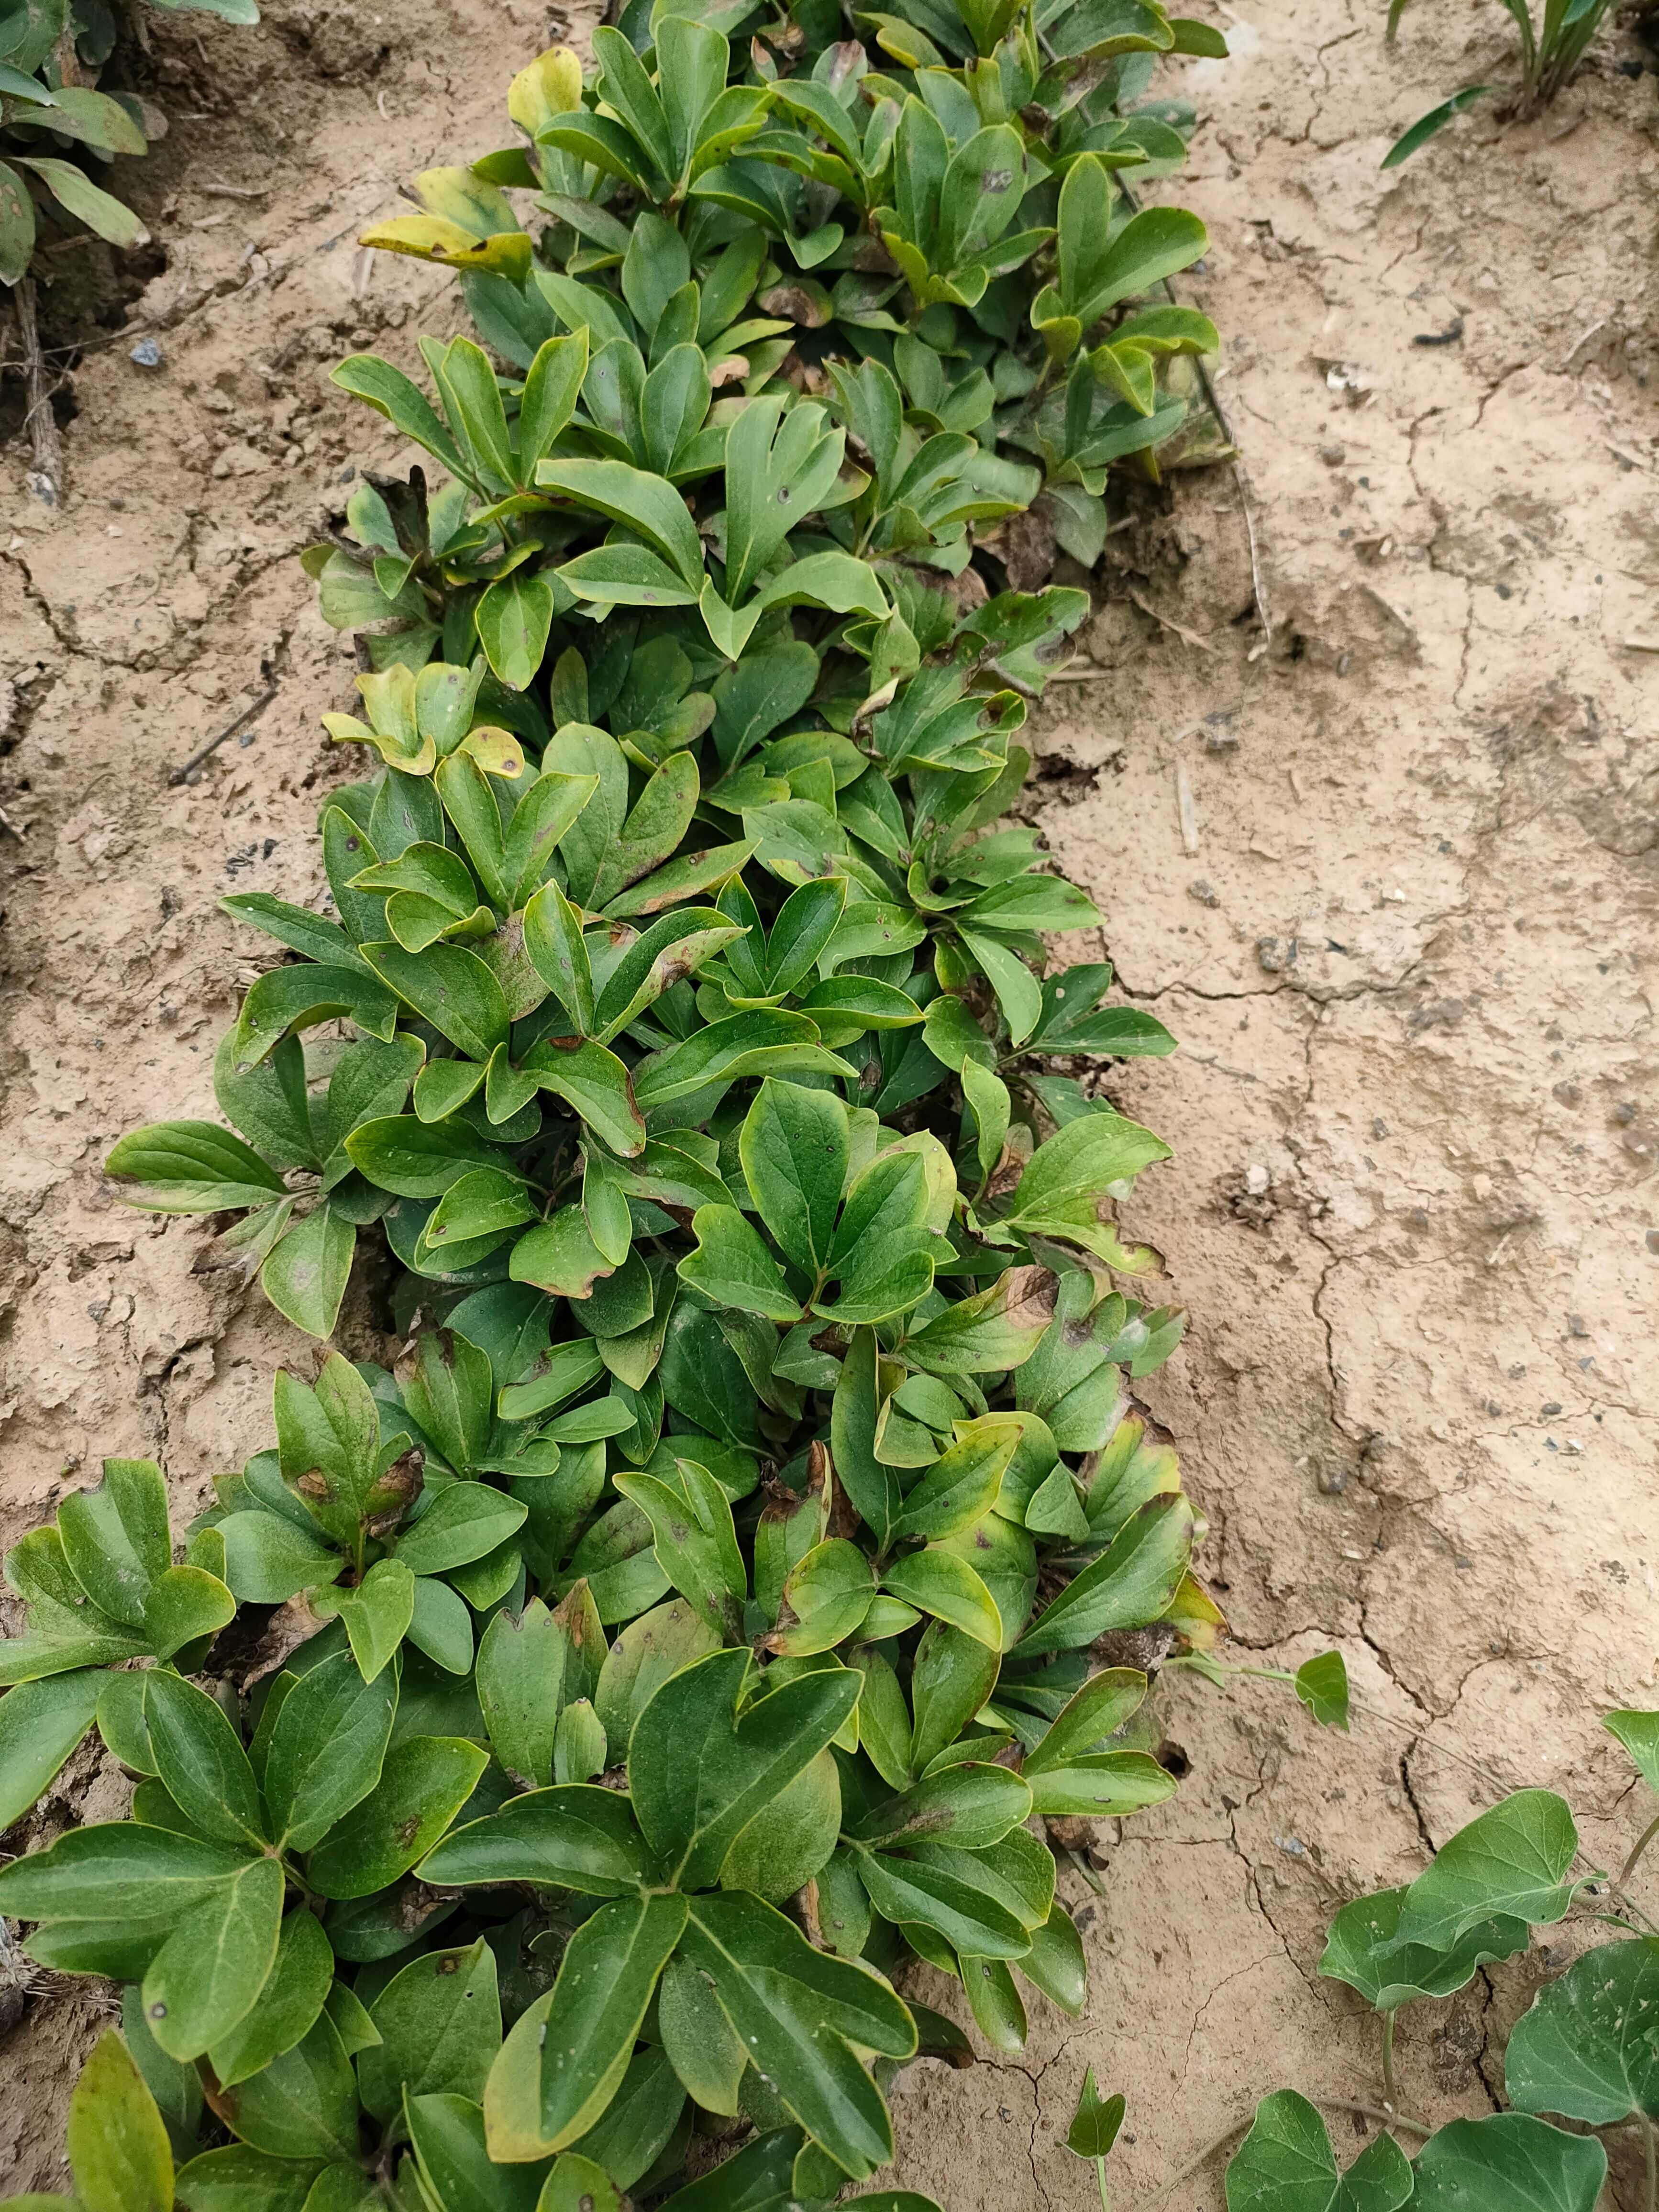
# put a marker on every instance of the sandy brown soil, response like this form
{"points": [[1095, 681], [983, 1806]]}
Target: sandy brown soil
{"points": [[1407, 953]]}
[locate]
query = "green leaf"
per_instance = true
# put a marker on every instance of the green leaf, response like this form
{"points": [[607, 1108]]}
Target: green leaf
{"points": [[551, 388], [1100, 1708], [283, 2013], [971, 1920], [115, 1537], [16, 226], [643, 503], [1360, 1949], [695, 1542], [1018, 991], [376, 1614], [287, 1000], [302, 2105], [198, 1756], [952, 1676], [117, 1870], [872, 1486], [40, 1724], [413, 1159], [514, 619], [439, 2024], [1321, 1684], [575, 1835], [448, 2137], [1508, 2162], [305, 1274], [577, 2184], [1513, 1860], [1639, 1734], [118, 2152], [1061, 1191], [1102, 1785], [424, 1782], [607, 1979], [700, 1770], [732, 1265], [441, 1625], [74, 189], [560, 1256], [1426, 126], [327, 1748], [648, 1650], [328, 1442], [969, 1805], [990, 1331], [792, 2006], [1588, 2048], [210, 1970], [1055, 1963], [268, 1560], [450, 987], [176, 2088], [579, 1744], [553, 938], [941, 1584], [389, 392], [962, 1485], [1152, 245], [825, 1597], [238, 2179], [598, 1085], [702, 2046], [1285, 2164], [1096, 2122], [677, 945], [793, 1148], [1132, 1582], [779, 466], [521, 1680], [463, 1523]]}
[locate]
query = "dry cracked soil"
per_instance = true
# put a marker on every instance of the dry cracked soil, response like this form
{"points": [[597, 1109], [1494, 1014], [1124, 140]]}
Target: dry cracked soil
{"points": [[1386, 863]]}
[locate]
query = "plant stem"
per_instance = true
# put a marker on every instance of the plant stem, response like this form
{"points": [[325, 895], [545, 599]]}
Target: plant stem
{"points": [[1642, 1843], [1388, 2090], [1106, 2202]]}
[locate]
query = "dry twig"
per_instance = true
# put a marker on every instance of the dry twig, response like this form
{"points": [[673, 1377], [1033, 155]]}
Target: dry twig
{"points": [[46, 473], [190, 771]]}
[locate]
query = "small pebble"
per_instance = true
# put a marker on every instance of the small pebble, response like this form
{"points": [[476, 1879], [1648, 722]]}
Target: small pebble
{"points": [[1206, 894], [147, 354]]}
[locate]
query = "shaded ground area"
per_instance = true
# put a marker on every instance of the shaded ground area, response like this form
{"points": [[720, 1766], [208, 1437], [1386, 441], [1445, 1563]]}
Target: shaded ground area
{"points": [[1406, 940]]}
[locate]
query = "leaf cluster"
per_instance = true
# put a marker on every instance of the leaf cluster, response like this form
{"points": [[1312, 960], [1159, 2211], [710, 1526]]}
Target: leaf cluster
{"points": [[1586, 2050], [1552, 47], [58, 130]]}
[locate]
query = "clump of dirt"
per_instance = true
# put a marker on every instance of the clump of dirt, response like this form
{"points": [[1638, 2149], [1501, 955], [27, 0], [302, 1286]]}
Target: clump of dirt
{"points": [[1387, 866]]}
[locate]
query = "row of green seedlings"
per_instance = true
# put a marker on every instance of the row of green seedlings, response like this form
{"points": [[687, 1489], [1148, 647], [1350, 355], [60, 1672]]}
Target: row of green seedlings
{"points": [[597, 1716]]}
